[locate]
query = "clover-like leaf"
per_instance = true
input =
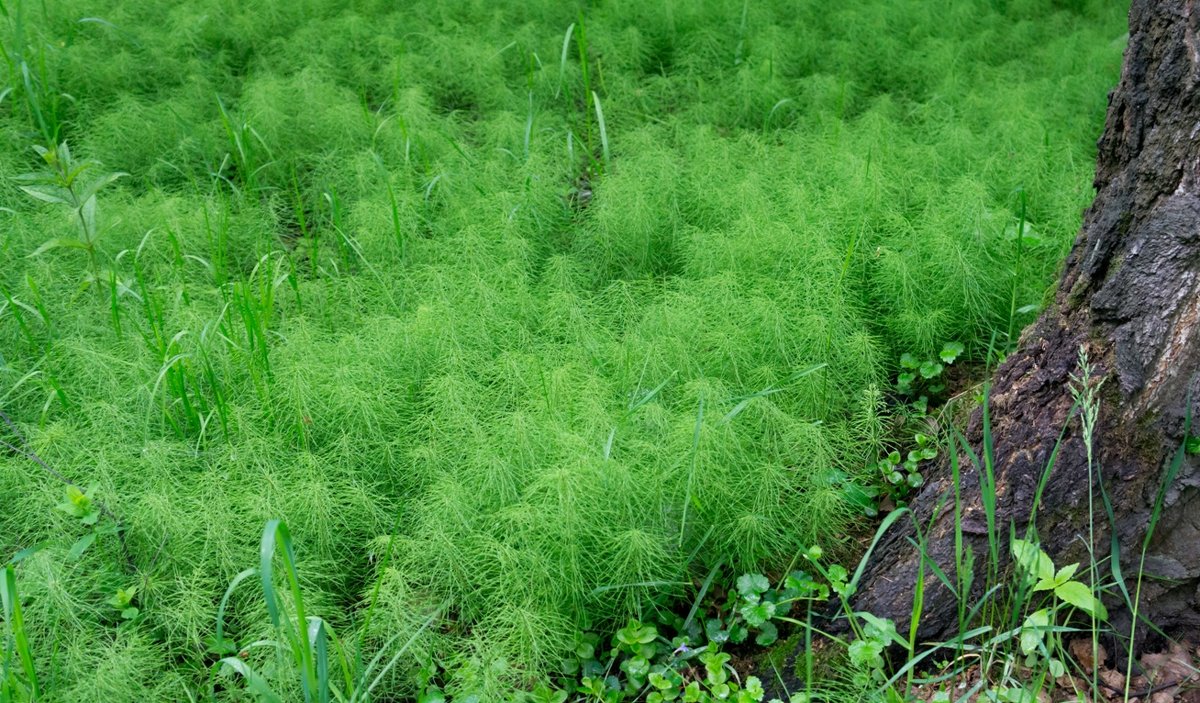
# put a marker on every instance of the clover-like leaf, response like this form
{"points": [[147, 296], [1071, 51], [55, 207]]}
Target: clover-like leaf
{"points": [[806, 587], [866, 653], [951, 351], [756, 615], [636, 633], [881, 629], [585, 648], [636, 667], [1057, 668], [754, 688], [715, 630], [659, 680], [738, 633], [752, 586], [767, 634], [592, 685]]}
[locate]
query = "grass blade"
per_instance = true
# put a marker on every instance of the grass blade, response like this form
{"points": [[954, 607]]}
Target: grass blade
{"points": [[883, 527], [603, 131], [562, 63], [687, 498], [276, 534], [365, 695], [255, 681], [224, 605], [14, 616]]}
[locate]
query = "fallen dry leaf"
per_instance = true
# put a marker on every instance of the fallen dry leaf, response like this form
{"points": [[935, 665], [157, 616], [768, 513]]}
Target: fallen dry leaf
{"points": [[1113, 680], [1081, 649]]}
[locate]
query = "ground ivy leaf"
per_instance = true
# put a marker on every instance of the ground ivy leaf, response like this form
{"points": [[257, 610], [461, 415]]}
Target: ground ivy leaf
{"points": [[767, 634]]}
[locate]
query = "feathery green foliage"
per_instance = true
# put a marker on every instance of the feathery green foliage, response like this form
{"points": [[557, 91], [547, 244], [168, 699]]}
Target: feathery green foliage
{"points": [[459, 263]]}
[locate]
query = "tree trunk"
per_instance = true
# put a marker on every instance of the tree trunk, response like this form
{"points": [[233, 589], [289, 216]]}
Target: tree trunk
{"points": [[1129, 296]]}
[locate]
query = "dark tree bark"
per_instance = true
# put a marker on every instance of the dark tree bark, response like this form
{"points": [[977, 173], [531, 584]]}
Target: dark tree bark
{"points": [[1130, 295]]}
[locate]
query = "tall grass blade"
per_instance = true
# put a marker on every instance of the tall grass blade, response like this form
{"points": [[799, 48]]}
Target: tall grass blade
{"points": [[603, 131], [562, 63], [276, 535], [15, 619]]}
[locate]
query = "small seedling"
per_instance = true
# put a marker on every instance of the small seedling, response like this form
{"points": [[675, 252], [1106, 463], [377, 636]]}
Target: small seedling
{"points": [[1038, 569], [123, 602], [900, 475], [84, 507], [921, 379], [642, 664], [67, 181], [81, 505], [867, 651]]}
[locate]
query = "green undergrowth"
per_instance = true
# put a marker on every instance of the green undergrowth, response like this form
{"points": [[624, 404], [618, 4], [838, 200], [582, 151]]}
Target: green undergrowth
{"points": [[537, 310]]}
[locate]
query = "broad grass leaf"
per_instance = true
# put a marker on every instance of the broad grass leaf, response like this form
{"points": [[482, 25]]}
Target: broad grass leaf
{"points": [[254, 680], [81, 545], [87, 213], [59, 243]]}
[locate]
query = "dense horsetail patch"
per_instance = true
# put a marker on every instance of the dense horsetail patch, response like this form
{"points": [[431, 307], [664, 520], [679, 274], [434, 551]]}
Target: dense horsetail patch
{"points": [[582, 298]]}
